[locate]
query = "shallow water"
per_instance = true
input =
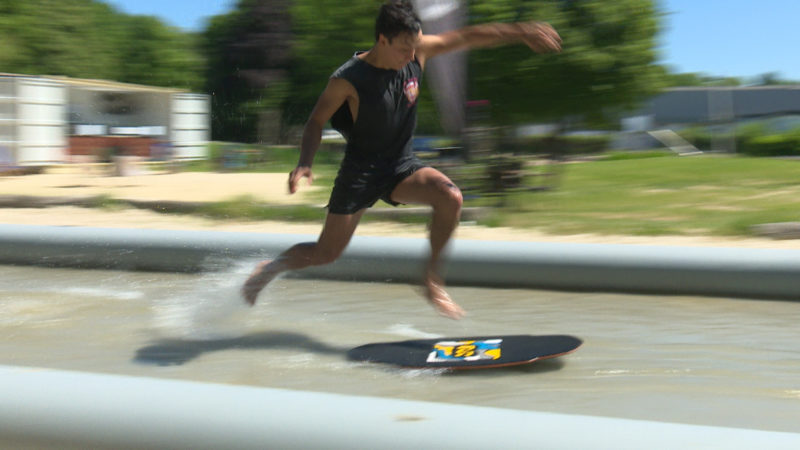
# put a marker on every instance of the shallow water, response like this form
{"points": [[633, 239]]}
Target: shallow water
{"points": [[713, 361]]}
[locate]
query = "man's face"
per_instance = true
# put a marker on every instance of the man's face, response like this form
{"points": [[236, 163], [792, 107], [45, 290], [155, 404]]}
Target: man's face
{"points": [[401, 48]]}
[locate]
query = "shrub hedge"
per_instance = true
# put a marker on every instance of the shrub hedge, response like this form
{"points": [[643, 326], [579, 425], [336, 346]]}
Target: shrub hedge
{"points": [[751, 140]]}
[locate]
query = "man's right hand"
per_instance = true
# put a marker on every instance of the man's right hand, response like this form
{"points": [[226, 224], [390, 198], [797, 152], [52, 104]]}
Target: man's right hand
{"points": [[297, 174]]}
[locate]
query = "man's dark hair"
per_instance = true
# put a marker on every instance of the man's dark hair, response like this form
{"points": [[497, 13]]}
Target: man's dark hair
{"points": [[396, 17]]}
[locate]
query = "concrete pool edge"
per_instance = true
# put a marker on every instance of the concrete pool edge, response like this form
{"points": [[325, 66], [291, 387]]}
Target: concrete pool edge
{"points": [[671, 270], [48, 407]]}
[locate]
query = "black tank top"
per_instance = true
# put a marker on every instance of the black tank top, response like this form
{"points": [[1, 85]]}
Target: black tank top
{"points": [[387, 112]]}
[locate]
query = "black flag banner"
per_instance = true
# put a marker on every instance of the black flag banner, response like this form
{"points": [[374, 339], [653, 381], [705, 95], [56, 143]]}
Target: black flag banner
{"points": [[447, 73]]}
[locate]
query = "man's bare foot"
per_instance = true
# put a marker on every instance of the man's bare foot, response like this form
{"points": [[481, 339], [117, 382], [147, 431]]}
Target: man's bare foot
{"points": [[440, 299], [264, 272]]}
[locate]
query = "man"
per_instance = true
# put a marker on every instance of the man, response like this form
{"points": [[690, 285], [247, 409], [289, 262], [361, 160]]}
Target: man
{"points": [[371, 100]]}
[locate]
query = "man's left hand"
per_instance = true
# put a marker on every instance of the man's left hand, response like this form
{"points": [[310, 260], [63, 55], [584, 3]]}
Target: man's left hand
{"points": [[540, 37]]}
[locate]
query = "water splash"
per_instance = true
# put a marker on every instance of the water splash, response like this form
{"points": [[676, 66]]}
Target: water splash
{"points": [[212, 308]]}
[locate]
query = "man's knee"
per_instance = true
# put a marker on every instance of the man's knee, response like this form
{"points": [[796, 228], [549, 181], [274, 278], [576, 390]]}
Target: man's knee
{"points": [[450, 196]]}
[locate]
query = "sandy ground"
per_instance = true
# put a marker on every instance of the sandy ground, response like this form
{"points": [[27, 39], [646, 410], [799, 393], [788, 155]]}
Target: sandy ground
{"points": [[187, 186], [269, 188]]}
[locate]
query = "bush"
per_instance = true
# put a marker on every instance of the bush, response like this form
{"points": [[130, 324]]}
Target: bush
{"points": [[772, 145], [751, 139]]}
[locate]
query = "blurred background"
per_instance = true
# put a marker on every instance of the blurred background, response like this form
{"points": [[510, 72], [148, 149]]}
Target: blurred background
{"points": [[693, 102]]}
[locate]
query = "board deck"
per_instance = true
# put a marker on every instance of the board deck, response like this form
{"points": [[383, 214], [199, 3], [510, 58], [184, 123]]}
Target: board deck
{"points": [[477, 352]]}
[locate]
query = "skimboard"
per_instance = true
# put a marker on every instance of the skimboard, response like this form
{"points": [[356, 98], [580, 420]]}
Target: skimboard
{"points": [[478, 352]]}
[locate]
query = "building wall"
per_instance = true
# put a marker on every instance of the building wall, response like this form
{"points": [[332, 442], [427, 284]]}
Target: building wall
{"points": [[8, 135], [32, 121], [705, 105], [190, 127]]}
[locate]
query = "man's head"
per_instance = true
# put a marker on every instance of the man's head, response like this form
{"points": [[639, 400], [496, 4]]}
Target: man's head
{"points": [[397, 32], [396, 17]]}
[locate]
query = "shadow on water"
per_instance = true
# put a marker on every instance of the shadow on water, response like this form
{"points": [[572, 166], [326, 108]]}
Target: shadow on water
{"points": [[170, 352], [173, 352]]}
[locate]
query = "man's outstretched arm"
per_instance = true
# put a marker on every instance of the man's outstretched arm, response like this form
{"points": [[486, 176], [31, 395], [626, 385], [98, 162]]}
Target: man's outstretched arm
{"points": [[539, 36]]}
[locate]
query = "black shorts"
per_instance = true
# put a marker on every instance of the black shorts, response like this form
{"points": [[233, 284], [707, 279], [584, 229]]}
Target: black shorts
{"points": [[360, 185]]}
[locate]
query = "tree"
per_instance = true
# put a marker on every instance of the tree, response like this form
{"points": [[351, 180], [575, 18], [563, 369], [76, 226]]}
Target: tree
{"points": [[153, 53], [89, 39], [55, 37], [773, 79], [248, 54], [326, 34], [608, 60], [691, 79]]}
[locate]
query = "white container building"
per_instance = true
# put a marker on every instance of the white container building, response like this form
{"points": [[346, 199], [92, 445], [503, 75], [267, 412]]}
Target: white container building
{"points": [[41, 117]]}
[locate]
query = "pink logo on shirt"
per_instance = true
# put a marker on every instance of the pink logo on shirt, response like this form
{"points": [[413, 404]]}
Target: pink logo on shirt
{"points": [[411, 90]]}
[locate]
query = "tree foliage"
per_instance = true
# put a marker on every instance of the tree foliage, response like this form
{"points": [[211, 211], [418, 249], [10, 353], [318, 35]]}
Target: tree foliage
{"points": [[154, 54], [692, 79], [248, 53], [89, 39], [326, 33], [607, 62]]}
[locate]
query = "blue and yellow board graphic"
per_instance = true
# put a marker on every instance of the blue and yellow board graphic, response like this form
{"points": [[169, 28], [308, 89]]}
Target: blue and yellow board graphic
{"points": [[451, 351]]}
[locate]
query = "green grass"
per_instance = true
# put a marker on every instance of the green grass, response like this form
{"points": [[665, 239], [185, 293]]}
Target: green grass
{"points": [[703, 195], [649, 193], [105, 202]]}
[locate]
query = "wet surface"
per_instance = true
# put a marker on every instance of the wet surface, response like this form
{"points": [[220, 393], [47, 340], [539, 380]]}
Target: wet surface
{"points": [[712, 361]]}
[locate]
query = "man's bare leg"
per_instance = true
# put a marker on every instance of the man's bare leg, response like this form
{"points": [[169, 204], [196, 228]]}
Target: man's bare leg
{"points": [[443, 223], [428, 186], [335, 236]]}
